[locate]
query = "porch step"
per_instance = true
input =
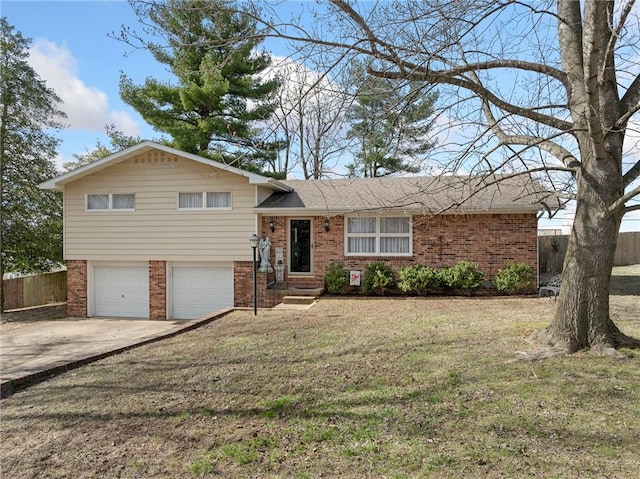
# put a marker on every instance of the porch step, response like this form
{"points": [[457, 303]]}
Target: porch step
{"points": [[298, 299]]}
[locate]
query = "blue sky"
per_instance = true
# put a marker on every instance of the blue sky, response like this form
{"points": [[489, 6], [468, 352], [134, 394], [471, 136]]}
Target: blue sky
{"points": [[72, 51]]}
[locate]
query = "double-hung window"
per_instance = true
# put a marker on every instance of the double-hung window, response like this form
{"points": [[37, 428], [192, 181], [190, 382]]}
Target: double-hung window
{"points": [[204, 200], [378, 236], [111, 201]]}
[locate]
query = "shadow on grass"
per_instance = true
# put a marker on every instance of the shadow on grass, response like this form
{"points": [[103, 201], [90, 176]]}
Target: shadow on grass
{"points": [[625, 285]]}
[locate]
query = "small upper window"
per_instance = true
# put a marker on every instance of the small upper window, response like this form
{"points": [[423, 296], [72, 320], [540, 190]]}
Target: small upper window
{"points": [[219, 200], [106, 202], [205, 200]]}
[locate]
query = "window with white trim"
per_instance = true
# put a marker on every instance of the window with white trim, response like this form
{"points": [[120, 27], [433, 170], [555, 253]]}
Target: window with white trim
{"points": [[378, 236], [111, 201], [204, 200]]}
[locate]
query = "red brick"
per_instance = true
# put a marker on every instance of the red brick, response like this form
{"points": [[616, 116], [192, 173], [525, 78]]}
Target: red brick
{"points": [[77, 288], [158, 290]]}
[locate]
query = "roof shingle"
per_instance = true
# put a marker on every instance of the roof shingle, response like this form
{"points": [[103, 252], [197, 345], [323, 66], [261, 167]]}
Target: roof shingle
{"points": [[427, 195]]}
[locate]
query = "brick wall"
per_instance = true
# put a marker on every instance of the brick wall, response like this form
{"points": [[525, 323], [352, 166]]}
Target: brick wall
{"points": [[490, 240], [243, 286], [77, 288], [158, 290]]}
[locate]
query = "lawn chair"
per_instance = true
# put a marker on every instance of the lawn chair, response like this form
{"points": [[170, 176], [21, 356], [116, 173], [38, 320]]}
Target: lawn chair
{"points": [[552, 287]]}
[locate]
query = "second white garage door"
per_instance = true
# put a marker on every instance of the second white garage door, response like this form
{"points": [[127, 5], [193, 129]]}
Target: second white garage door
{"points": [[201, 290]]}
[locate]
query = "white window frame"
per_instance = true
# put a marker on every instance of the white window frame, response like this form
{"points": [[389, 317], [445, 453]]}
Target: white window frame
{"points": [[110, 207], [204, 201], [377, 235]]}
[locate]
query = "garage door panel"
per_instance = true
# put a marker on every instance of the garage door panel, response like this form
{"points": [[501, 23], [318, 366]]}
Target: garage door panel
{"points": [[201, 290], [121, 291]]}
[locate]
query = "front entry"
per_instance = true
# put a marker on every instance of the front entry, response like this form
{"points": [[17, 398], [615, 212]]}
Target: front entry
{"points": [[300, 247]]}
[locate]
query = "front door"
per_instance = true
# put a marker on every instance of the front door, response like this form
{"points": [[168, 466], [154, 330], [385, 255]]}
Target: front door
{"points": [[300, 244]]}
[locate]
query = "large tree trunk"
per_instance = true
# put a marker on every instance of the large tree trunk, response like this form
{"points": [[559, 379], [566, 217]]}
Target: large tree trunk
{"points": [[582, 317]]}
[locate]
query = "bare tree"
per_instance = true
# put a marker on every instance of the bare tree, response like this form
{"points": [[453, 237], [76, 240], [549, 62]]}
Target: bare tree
{"points": [[311, 118], [549, 88]]}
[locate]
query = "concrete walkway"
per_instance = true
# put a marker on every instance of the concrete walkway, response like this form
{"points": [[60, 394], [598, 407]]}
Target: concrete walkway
{"points": [[35, 353]]}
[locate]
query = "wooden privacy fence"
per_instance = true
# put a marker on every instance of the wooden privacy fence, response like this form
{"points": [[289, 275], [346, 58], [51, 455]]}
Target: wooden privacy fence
{"points": [[551, 251], [34, 290]]}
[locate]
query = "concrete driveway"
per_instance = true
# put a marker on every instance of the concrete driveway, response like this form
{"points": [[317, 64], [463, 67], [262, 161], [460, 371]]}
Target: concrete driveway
{"points": [[35, 353]]}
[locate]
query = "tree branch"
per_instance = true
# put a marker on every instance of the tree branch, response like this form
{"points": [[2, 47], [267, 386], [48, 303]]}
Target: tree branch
{"points": [[482, 92], [631, 175], [619, 203]]}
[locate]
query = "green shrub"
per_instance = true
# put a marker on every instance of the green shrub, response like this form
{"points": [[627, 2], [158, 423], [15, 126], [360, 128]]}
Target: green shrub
{"points": [[418, 279], [513, 278], [465, 277], [336, 279], [377, 279]]}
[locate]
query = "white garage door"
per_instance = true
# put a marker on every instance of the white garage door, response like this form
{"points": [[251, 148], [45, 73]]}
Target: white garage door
{"points": [[121, 291], [201, 290]]}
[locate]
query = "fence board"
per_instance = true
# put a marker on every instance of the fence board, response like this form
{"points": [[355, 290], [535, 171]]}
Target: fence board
{"points": [[34, 290], [552, 249], [628, 249]]}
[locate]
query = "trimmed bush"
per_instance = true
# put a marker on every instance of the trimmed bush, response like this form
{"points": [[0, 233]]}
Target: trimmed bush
{"points": [[336, 279], [465, 277], [377, 279], [513, 278], [417, 279]]}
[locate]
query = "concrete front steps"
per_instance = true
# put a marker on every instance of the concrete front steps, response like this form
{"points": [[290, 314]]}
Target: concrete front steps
{"points": [[297, 301], [282, 296], [304, 300]]}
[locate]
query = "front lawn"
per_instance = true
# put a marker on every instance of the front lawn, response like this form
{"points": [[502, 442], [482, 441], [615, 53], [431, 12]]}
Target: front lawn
{"points": [[352, 388]]}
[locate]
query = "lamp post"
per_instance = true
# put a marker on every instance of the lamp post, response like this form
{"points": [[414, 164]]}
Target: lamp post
{"points": [[253, 241]]}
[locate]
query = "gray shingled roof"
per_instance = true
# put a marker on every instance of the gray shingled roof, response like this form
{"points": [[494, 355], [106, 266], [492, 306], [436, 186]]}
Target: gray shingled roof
{"points": [[429, 195]]}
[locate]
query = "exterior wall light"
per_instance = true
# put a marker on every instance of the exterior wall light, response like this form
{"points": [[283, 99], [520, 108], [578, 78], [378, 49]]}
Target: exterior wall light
{"points": [[326, 225], [272, 226]]}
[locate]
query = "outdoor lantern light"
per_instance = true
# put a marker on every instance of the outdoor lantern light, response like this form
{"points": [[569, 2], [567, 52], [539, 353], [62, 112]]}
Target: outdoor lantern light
{"points": [[326, 225], [253, 241], [272, 226]]}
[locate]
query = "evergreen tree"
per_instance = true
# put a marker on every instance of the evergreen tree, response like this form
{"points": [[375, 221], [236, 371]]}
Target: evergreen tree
{"points": [[219, 99], [31, 233], [391, 123]]}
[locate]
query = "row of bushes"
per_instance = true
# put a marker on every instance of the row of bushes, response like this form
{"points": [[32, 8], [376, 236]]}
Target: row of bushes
{"points": [[463, 278]]}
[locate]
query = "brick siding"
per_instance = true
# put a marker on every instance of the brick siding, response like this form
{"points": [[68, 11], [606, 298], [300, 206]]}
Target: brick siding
{"points": [[77, 288], [490, 240], [243, 286], [158, 290]]}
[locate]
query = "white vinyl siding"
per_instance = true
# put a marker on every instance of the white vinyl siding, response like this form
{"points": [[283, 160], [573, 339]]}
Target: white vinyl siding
{"points": [[106, 202], [378, 236], [157, 229]]}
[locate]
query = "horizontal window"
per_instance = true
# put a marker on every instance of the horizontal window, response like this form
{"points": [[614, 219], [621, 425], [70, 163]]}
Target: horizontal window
{"points": [[115, 201], [384, 236], [205, 200]]}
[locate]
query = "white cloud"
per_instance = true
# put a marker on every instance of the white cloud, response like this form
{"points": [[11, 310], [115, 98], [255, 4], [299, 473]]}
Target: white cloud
{"points": [[87, 108]]}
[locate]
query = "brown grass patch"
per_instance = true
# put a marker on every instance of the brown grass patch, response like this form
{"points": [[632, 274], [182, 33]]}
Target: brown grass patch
{"points": [[396, 388]]}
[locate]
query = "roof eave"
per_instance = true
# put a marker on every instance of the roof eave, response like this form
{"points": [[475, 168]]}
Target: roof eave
{"points": [[302, 211]]}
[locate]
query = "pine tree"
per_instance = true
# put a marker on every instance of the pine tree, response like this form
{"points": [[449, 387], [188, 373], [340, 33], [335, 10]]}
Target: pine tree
{"points": [[391, 124], [218, 99]]}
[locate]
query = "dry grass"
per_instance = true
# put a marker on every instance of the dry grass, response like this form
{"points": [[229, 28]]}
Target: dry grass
{"points": [[351, 388]]}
